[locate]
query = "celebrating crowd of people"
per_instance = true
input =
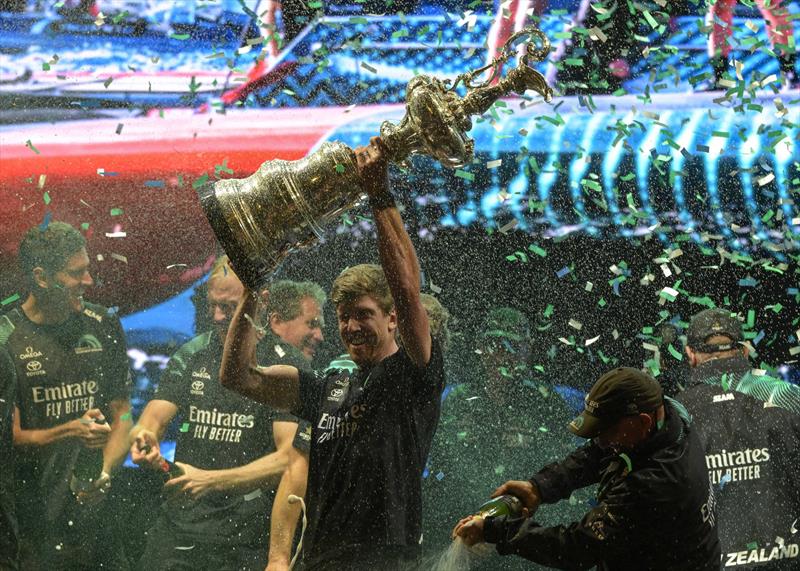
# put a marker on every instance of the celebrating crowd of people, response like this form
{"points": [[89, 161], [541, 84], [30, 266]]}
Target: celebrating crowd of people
{"points": [[380, 461]]}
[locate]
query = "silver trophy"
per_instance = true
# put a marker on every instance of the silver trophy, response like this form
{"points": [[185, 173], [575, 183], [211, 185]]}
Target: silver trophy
{"points": [[284, 205]]}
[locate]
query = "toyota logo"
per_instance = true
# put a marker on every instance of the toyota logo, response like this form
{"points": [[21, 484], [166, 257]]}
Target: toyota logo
{"points": [[33, 366], [336, 393], [198, 386]]}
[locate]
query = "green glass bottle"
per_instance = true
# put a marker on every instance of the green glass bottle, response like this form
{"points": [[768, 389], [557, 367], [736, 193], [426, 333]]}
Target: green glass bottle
{"points": [[88, 466], [501, 506]]}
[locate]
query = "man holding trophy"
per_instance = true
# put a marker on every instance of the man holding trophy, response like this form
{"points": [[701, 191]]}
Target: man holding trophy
{"points": [[372, 427]]}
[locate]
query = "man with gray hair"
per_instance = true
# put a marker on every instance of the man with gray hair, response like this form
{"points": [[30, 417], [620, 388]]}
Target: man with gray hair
{"points": [[294, 310]]}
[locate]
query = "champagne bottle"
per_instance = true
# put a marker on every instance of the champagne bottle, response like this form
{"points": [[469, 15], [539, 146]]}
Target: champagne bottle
{"points": [[168, 469], [501, 506], [88, 466]]}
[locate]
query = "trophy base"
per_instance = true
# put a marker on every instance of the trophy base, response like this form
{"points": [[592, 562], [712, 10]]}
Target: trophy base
{"points": [[254, 271]]}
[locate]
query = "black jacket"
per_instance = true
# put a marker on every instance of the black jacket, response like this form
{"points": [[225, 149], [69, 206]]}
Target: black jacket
{"points": [[753, 460], [655, 508]]}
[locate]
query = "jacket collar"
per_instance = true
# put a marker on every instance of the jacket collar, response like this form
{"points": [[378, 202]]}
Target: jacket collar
{"points": [[715, 368], [671, 432]]}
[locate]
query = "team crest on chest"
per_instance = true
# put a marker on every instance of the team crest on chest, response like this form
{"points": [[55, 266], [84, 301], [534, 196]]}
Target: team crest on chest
{"points": [[88, 344]]}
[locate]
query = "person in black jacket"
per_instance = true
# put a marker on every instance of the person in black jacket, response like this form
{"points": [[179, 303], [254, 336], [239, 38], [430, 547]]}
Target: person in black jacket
{"points": [[655, 507], [752, 447]]}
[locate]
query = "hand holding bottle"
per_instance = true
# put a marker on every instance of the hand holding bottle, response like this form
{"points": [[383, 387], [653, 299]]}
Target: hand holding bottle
{"points": [[145, 450], [524, 491], [92, 429]]}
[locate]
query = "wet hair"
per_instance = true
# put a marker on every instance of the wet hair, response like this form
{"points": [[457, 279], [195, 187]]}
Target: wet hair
{"points": [[361, 280], [286, 296], [221, 268], [438, 317], [49, 248]]}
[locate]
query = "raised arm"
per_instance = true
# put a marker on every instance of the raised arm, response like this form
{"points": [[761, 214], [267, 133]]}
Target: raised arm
{"points": [[397, 254], [277, 386]]}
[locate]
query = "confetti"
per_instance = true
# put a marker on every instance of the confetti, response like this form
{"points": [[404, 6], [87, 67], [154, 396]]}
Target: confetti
{"points": [[10, 299], [185, 427], [766, 179], [597, 34], [116, 211], [563, 271], [180, 37], [31, 147], [465, 175], [46, 221], [494, 164], [541, 252], [120, 258], [116, 235], [669, 293]]}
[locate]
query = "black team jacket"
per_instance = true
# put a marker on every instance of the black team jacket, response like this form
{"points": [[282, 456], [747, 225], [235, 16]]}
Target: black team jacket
{"points": [[753, 459], [654, 512]]}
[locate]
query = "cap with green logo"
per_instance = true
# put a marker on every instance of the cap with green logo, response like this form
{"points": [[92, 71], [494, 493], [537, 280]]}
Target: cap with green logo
{"points": [[623, 391]]}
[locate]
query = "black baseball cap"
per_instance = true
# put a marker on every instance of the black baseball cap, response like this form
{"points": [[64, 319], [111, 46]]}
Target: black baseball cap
{"points": [[620, 392], [710, 323]]}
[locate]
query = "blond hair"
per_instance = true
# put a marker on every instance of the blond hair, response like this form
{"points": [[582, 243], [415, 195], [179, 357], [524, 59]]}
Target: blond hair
{"points": [[221, 268], [438, 317], [361, 280]]}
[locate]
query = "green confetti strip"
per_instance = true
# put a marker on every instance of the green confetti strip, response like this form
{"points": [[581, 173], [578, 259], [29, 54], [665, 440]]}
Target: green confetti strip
{"points": [[181, 37], [31, 147], [465, 175], [200, 181], [116, 211], [538, 250], [126, 416], [10, 299], [185, 427]]}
